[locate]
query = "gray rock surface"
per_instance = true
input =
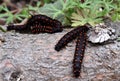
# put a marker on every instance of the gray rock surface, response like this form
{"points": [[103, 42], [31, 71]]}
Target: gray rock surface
{"points": [[33, 58]]}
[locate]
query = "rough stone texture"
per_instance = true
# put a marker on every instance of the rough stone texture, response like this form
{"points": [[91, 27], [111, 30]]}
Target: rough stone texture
{"points": [[115, 25], [35, 57]]}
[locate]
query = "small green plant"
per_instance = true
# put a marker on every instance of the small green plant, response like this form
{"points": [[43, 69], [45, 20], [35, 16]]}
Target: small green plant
{"points": [[89, 12], [2, 29], [79, 13], [115, 15], [10, 16], [35, 8], [61, 10], [71, 12], [21, 14], [17, 15]]}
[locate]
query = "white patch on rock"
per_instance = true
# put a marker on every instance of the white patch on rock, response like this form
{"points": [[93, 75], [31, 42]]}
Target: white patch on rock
{"points": [[101, 33]]}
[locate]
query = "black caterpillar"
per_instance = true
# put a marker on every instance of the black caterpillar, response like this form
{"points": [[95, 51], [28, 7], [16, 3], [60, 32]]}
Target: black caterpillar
{"points": [[79, 32], [68, 38], [79, 52], [45, 21], [38, 24], [42, 19]]}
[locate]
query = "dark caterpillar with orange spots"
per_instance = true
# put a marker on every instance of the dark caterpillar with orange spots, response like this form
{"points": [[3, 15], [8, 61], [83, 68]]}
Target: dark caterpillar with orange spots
{"points": [[44, 21], [68, 38], [38, 24], [80, 34], [79, 52], [43, 29]]}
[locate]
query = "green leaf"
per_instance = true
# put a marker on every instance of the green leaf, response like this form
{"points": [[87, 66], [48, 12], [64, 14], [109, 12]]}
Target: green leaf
{"points": [[118, 39], [3, 30], [60, 10], [52, 10], [10, 18], [76, 16]]}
